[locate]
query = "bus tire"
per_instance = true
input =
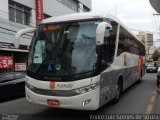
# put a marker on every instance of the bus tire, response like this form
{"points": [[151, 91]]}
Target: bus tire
{"points": [[119, 88], [140, 79]]}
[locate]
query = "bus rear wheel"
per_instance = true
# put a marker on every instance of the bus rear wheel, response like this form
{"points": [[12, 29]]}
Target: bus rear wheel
{"points": [[140, 78]]}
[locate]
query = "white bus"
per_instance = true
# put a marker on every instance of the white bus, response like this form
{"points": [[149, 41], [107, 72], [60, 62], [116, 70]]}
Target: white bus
{"points": [[81, 61]]}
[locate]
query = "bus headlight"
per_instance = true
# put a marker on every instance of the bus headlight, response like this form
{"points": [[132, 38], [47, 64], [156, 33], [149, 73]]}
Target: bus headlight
{"points": [[88, 88]]}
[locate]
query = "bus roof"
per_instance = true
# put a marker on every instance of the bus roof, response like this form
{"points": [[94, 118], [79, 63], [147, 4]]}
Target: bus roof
{"points": [[87, 15]]}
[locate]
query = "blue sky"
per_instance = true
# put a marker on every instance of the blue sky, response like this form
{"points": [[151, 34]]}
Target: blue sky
{"points": [[135, 14]]}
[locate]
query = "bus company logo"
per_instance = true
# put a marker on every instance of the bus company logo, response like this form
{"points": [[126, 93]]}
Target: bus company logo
{"points": [[65, 86], [52, 85]]}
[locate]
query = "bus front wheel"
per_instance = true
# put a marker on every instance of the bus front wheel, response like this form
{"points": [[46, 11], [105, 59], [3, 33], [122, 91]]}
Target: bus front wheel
{"points": [[118, 92]]}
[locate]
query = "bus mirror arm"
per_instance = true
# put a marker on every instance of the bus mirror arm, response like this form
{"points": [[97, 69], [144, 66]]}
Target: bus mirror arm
{"points": [[19, 34], [104, 64]]}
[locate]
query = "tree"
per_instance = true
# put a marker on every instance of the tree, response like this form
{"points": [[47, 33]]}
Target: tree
{"points": [[156, 55]]}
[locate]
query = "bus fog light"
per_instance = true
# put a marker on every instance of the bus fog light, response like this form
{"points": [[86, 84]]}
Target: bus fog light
{"points": [[86, 102]]}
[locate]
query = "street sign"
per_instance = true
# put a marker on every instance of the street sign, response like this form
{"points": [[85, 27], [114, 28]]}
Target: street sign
{"points": [[39, 11], [6, 62], [20, 66]]}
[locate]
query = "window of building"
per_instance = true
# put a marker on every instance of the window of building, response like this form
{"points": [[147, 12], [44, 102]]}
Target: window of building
{"points": [[73, 4], [19, 13]]}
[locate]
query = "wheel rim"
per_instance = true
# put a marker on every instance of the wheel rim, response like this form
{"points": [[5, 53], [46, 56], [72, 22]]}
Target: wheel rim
{"points": [[117, 92]]}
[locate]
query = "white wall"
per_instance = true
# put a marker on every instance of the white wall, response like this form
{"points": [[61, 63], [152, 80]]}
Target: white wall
{"points": [[4, 9], [87, 3], [55, 8], [51, 7], [29, 3]]}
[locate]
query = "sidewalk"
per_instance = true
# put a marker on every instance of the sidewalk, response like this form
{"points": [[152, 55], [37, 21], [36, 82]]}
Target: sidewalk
{"points": [[157, 103]]}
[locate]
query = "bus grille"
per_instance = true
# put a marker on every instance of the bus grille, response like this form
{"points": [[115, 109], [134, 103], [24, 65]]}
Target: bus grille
{"points": [[60, 93]]}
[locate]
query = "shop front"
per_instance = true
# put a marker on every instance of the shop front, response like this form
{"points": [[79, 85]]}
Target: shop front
{"points": [[11, 59]]}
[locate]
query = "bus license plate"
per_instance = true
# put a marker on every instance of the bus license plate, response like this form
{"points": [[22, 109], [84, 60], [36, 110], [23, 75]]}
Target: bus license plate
{"points": [[53, 102]]}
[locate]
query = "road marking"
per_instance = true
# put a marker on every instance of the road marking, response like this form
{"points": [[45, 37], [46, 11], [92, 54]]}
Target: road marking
{"points": [[149, 109], [152, 100]]}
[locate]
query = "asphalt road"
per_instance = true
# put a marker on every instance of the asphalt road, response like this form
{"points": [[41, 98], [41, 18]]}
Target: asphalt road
{"points": [[138, 99]]}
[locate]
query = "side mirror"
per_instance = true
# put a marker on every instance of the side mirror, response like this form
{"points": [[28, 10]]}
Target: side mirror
{"points": [[106, 34], [20, 33], [102, 31]]}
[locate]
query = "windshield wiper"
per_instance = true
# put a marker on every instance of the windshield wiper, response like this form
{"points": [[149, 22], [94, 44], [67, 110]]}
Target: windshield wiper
{"points": [[86, 37]]}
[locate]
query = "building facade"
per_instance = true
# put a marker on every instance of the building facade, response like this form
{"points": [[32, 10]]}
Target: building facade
{"points": [[18, 14], [147, 39]]}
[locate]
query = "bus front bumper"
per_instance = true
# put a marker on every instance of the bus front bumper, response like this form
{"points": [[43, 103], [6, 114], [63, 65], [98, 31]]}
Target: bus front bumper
{"points": [[86, 101]]}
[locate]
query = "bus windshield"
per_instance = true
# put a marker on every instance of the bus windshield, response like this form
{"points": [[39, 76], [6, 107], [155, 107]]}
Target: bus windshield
{"points": [[64, 48]]}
